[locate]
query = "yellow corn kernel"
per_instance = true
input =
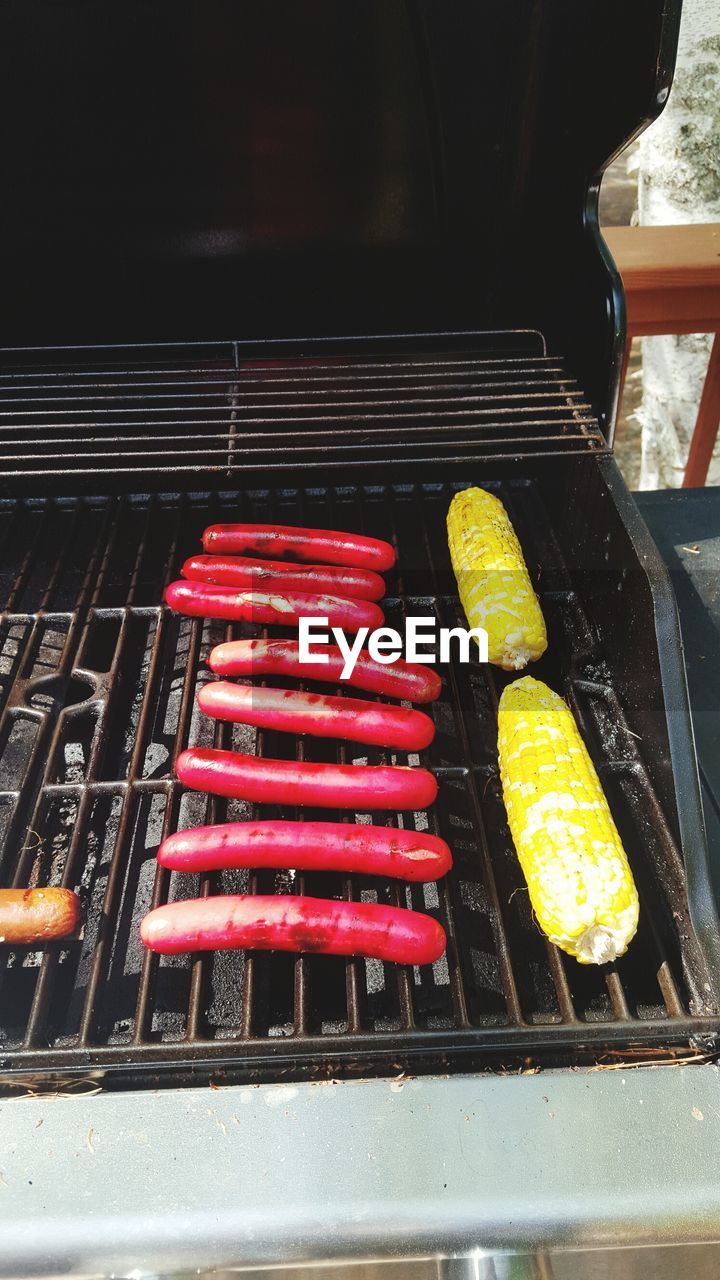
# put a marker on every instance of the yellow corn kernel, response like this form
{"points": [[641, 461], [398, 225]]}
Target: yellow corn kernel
{"points": [[581, 887], [495, 588]]}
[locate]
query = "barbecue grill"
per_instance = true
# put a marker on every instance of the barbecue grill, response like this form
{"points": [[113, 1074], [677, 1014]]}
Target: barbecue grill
{"points": [[101, 697], [405, 188]]}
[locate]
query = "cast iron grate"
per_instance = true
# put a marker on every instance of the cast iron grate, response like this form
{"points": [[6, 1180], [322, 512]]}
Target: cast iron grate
{"points": [[98, 684], [67, 416]]}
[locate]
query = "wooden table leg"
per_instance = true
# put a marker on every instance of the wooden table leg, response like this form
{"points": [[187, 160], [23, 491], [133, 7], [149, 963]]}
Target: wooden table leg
{"points": [[706, 427]]}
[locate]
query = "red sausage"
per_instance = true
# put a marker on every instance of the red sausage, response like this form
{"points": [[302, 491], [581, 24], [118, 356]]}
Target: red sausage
{"points": [[309, 846], [238, 571], [330, 786], [282, 923], [323, 717], [399, 679], [200, 600], [328, 546]]}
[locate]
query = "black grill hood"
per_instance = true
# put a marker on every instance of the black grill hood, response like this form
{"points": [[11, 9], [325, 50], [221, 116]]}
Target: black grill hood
{"points": [[177, 170]]}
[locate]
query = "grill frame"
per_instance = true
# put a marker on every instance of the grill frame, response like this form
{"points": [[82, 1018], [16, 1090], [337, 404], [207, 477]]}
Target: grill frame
{"points": [[356, 1051]]}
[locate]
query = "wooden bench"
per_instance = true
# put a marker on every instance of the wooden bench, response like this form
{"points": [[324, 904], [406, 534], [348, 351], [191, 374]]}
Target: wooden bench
{"points": [[672, 284]]}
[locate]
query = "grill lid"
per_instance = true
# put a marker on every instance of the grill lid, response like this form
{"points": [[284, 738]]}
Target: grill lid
{"points": [[320, 168]]}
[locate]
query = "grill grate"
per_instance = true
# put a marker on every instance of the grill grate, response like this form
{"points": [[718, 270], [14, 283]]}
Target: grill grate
{"points": [[213, 410], [99, 690]]}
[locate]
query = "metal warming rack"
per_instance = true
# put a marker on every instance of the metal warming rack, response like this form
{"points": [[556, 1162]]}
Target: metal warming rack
{"points": [[68, 417]]}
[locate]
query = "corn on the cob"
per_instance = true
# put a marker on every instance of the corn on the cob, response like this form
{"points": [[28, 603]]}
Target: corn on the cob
{"points": [[495, 588], [581, 886]]}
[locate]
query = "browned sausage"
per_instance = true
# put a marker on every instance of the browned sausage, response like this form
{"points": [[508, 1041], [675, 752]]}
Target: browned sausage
{"points": [[29, 916]]}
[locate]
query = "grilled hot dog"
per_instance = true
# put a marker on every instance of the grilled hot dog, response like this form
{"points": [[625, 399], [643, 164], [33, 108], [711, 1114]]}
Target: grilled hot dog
{"points": [[405, 680], [308, 846], [283, 923], [353, 719], [328, 546], [360, 788], [282, 608], [258, 575]]}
